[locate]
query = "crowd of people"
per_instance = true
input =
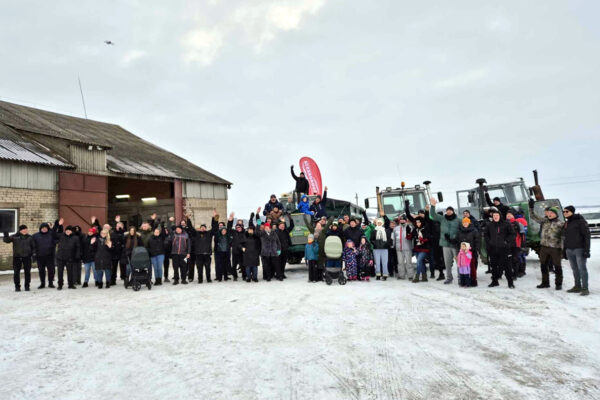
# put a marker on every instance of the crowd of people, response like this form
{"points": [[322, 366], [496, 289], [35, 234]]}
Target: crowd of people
{"points": [[379, 249]]}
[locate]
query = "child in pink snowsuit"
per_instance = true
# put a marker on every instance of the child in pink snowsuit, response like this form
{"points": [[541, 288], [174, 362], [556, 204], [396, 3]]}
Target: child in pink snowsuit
{"points": [[463, 260]]}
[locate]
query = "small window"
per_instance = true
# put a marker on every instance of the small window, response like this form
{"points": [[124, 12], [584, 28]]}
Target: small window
{"points": [[8, 220]]}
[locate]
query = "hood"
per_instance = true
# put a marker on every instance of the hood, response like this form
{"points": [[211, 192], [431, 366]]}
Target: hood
{"points": [[304, 197], [44, 225]]}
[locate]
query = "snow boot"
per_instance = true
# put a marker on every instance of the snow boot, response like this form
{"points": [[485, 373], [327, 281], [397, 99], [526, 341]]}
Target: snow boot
{"points": [[558, 287], [543, 285], [574, 289], [511, 286], [51, 285], [167, 280], [378, 278], [424, 277], [85, 284], [175, 282], [71, 287], [184, 282], [59, 287], [416, 278], [107, 285], [17, 288], [158, 282], [441, 277], [494, 283], [42, 286], [99, 285], [584, 292], [385, 278]]}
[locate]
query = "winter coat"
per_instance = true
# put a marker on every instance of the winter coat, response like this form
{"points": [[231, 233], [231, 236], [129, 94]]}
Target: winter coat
{"points": [[118, 243], [157, 245], [146, 235], [519, 232], [180, 244], [202, 242], [45, 243], [102, 255], [311, 251], [269, 207], [236, 239], [130, 244], [69, 248], [22, 245], [301, 183], [284, 236], [499, 234], [402, 237], [448, 226], [365, 255], [304, 206], [87, 249], [319, 236], [422, 238], [551, 232], [382, 244], [270, 245], [469, 235], [353, 234], [503, 208], [252, 243], [463, 259], [577, 233], [319, 208], [223, 241]]}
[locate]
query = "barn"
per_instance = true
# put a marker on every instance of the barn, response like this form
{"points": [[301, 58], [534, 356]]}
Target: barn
{"points": [[53, 164]]}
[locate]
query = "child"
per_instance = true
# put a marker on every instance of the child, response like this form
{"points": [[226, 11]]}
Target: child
{"points": [[463, 260], [365, 259], [304, 206], [350, 257], [311, 254]]}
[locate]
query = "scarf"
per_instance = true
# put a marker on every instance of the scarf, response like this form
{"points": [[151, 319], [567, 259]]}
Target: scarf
{"points": [[380, 233]]}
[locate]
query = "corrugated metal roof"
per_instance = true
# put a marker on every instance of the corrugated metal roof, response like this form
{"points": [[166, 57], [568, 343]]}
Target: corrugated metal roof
{"points": [[126, 152], [27, 152]]}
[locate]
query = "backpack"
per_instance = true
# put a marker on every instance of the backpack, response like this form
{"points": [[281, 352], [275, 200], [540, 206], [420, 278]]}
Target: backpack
{"points": [[333, 247]]}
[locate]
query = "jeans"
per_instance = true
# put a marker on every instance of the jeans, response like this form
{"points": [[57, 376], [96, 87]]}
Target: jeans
{"points": [[100, 272], [449, 254], [578, 264], [381, 261], [90, 266], [251, 272], [157, 263], [421, 269]]}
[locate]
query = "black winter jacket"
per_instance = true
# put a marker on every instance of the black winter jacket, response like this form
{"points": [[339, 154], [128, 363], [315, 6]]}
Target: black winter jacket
{"points": [[157, 245], [69, 247], [102, 255], [353, 234], [576, 233], [87, 249], [319, 208], [471, 236], [270, 244], [23, 245], [45, 243], [301, 183], [250, 257], [499, 234], [117, 239]]}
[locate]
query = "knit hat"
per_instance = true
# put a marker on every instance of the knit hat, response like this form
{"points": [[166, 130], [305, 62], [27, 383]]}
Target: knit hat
{"points": [[555, 210], [466, 220], [570, 208], [311, 238], [421, 212], [267, 225], [450, 208], [92, 230], [203, 225], [69, 228], [21, 227], [496, 199]]}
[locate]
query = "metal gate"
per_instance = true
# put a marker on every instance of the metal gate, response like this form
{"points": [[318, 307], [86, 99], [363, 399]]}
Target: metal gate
{"points": [[82, 196]]}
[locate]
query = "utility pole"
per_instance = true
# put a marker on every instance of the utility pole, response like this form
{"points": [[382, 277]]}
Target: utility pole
{"points": [[82, 99], [356, 198]]}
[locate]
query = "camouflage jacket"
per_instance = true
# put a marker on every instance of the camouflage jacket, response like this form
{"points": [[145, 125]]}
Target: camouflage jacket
{"points": [[551, 234]]}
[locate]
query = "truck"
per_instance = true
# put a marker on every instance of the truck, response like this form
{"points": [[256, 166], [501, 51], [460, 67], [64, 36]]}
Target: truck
{"points": [[391, 201], [299, 236], [515, 194]]}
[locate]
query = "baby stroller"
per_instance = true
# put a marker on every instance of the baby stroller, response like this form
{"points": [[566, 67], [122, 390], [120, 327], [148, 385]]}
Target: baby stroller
{"points": [[333, 266], [140, 268]]}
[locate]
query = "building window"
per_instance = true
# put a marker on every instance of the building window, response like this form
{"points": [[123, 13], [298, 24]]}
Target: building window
{"points": [[8, 220]]}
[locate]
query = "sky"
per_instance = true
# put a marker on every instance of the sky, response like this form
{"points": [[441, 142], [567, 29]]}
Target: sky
{"points": [[376, 92]]}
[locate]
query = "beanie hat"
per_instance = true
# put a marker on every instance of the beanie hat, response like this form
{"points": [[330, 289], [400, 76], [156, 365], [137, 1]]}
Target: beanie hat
{"points": [[467, 220], [496, 198], [421, 212], [494, 210], [467, 211], [68, 228], [570, 208], [311, 238], [555, 210], [203, 225], [268, 225], [21, 227], [450, 208]]}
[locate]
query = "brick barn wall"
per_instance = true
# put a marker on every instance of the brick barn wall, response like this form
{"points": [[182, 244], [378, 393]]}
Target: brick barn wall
{"points": [[200, 210], [35, 207]]}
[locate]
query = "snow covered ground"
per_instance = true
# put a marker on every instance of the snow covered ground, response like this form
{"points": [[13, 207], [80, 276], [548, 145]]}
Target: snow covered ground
{"points": [[297, 340]]}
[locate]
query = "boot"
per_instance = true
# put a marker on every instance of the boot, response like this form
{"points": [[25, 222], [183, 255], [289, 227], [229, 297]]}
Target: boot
{"points": [[157, 282], [200, 281], [175, 282], [85, 284], [71, 287], [27, 288], [416, 278], [17, 288], [473, 283], [184, 282], [511, 285], [254, 280], [441, 277], [167, 280], [126, 283], [59, 287], [42, 286], [385, 278], [99, 285], [107, 285], [558, 287], [543, 285], [432, 275], [584, 292], [51, 285], [424, 277], [494, 283], [247, 279], [574, 289]]}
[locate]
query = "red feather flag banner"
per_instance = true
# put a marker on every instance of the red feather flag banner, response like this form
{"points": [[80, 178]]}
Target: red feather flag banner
{"points": [[313, 175]]}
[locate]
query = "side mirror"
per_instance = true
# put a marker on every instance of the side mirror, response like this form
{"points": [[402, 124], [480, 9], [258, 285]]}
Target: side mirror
{"points": [[440, 197], [471, 198], [366, 203]]}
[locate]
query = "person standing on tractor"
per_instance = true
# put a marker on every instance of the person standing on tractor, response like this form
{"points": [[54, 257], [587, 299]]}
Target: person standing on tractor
{"points": [[448, 231], [577, 249], [301, 184], [551, 245], [318, 206], [273, 202], [503, 208]]}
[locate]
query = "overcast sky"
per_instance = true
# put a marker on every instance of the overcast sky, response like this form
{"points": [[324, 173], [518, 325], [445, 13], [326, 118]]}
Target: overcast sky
{"points": [[375, 91]]}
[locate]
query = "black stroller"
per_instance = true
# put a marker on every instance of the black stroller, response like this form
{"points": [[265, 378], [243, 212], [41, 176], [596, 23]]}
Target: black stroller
{"points": [[140, 268]]}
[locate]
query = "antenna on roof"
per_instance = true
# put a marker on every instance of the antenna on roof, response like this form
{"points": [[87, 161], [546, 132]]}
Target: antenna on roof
{"points": [[82, 99]]}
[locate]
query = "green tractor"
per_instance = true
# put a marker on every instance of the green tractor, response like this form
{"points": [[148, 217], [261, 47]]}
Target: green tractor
{"points": [[299, 235], [391, 201], [514, 194]]}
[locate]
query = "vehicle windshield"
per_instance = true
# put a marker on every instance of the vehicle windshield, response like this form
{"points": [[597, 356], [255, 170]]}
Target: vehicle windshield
{"points": [[393, 203], [591, 216]]}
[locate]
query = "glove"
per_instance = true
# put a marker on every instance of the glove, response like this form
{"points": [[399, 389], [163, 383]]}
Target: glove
{"points": [[586, 253], [531, 203], [278, 252], [446, 236]]}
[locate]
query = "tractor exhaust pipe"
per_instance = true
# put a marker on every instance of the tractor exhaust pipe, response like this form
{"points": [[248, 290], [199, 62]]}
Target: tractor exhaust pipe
{"points": [[536, 190]]}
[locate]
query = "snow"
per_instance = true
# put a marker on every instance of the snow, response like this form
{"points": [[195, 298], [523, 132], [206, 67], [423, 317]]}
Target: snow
{"points": [[300, 340]]}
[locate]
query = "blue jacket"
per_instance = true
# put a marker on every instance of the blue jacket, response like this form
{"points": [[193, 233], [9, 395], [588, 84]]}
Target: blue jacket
{"points": [[45, 243], [304, 206], [311, 251]]}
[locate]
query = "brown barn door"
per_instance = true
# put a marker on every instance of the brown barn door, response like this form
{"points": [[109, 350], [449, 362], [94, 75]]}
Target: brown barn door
{"points": [[82, 196]]}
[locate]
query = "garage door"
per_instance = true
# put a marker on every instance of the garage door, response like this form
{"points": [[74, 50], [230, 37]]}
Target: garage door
{"points": [[82, 196]]}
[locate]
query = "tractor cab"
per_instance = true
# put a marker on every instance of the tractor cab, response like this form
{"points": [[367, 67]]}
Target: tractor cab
{"points": [[513, 194], [392, 201]]}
